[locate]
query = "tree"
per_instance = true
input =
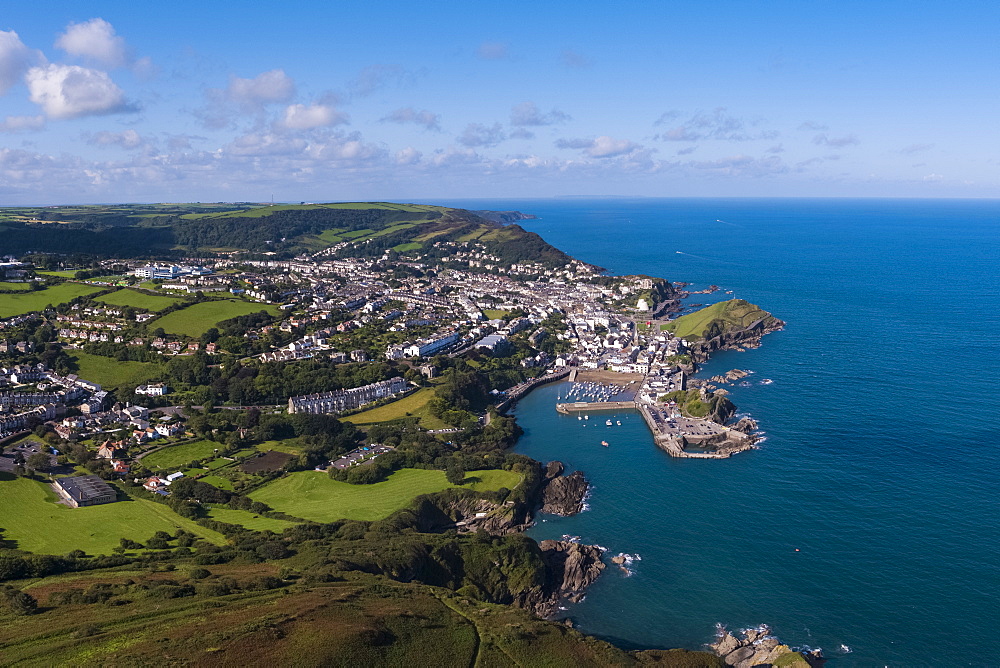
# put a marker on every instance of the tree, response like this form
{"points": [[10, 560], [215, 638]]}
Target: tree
{"points": [[38, 461], [19, 602], [455, 473]]}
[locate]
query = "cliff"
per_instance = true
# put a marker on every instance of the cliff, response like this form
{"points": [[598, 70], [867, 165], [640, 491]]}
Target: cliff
{"points": [[757, 648], [731, 324], [563, 495]]}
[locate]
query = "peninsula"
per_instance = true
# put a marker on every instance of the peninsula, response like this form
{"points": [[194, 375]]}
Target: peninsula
{"points": [[265, 433]]}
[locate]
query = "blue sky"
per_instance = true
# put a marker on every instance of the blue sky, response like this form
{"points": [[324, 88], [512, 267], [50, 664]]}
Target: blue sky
{"points": [[206, 101]]}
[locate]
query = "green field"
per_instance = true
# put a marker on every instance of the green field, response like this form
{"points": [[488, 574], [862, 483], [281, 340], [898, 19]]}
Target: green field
{"points": [[41, 525], [708, 322], [217, 481], [66, 273], [249, 520], [20, 287], [197, 319], [494, 314], [111, 372], [139, 300], [412, 405], [176, 456], [313, 495], [405, 248], [35, 301]]}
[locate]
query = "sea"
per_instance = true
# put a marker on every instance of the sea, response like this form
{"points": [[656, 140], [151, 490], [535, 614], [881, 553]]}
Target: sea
{"points": [[868, 522]]}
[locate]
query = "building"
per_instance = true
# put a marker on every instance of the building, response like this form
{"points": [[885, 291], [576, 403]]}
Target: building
{"points": [[426, 347], [154, 390], [85, 490], [495, 343], [345, 400]]}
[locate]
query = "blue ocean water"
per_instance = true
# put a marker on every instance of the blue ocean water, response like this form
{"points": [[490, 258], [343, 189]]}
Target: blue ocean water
{"points": [[869, 516]]}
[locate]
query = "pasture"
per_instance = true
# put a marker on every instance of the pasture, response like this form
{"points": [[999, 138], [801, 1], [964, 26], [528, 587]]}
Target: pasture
{"points": [[17, 304], [247, 519], [313, 495], [43, 526], [111, 372], [178, 456], [197, 319], [139, 300]]}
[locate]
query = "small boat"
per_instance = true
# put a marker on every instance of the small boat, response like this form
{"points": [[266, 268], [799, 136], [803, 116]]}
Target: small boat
{"points": [[586, 417], [578, 417], [619, 423], [608, 423], [604, 443]]}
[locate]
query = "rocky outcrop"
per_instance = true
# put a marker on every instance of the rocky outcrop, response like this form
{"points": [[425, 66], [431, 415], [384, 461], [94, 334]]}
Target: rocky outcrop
{"points": [[758, 648], [471, 514], [563, 495], [571, 568], [748, 337], [746, 425]]}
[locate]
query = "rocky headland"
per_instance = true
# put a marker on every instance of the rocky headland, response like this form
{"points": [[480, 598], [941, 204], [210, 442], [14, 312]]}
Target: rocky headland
{"points": [[757, 648], [571, 568], [563, 495]]}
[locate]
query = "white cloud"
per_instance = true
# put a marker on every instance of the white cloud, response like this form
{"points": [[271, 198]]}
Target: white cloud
{"points": [[127, 139], [95, 40], [836, 142], [607, 147], [265, 88], [717, 124], [429, 120], [575, 60], [481, 135], [492, 51], [15, 58], [70, 91], [408, 156], [527, 113], [302, 117], [13, 124]]}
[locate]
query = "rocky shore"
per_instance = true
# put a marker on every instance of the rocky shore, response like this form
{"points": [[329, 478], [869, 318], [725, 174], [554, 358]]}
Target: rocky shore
{"points": [[572, 568], [740, 339], [563, 495], [758, 648]]}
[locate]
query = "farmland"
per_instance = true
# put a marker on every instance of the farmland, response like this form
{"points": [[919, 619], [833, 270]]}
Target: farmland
{"points": [[197, 319], [139, 300], [313, 495], [43, 526], [16, 304]]}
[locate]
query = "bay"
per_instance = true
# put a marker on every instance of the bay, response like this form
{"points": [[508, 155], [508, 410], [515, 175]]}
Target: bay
{"points": [[868, 517]]}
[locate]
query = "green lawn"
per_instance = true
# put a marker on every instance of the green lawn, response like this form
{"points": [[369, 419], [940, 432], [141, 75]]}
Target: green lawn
{"points": [[292, 446], [217, 481], [176, 456], [494, 314], [313, 495], [66, 273], [111, 372], [197, 319], [731, 315], [139, 300], [415, 404], [405, 248], [35, 301], [249, 520], [20, 287], [43, 526]]}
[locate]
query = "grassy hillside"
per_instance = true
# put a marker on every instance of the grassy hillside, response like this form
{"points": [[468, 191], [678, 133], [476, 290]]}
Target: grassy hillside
{"points": [[139, 300], [161, 230], [728, 316], [313, 495], [16, 304], [112, 373], [197, 319], [362, 620], [43, 526]]}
